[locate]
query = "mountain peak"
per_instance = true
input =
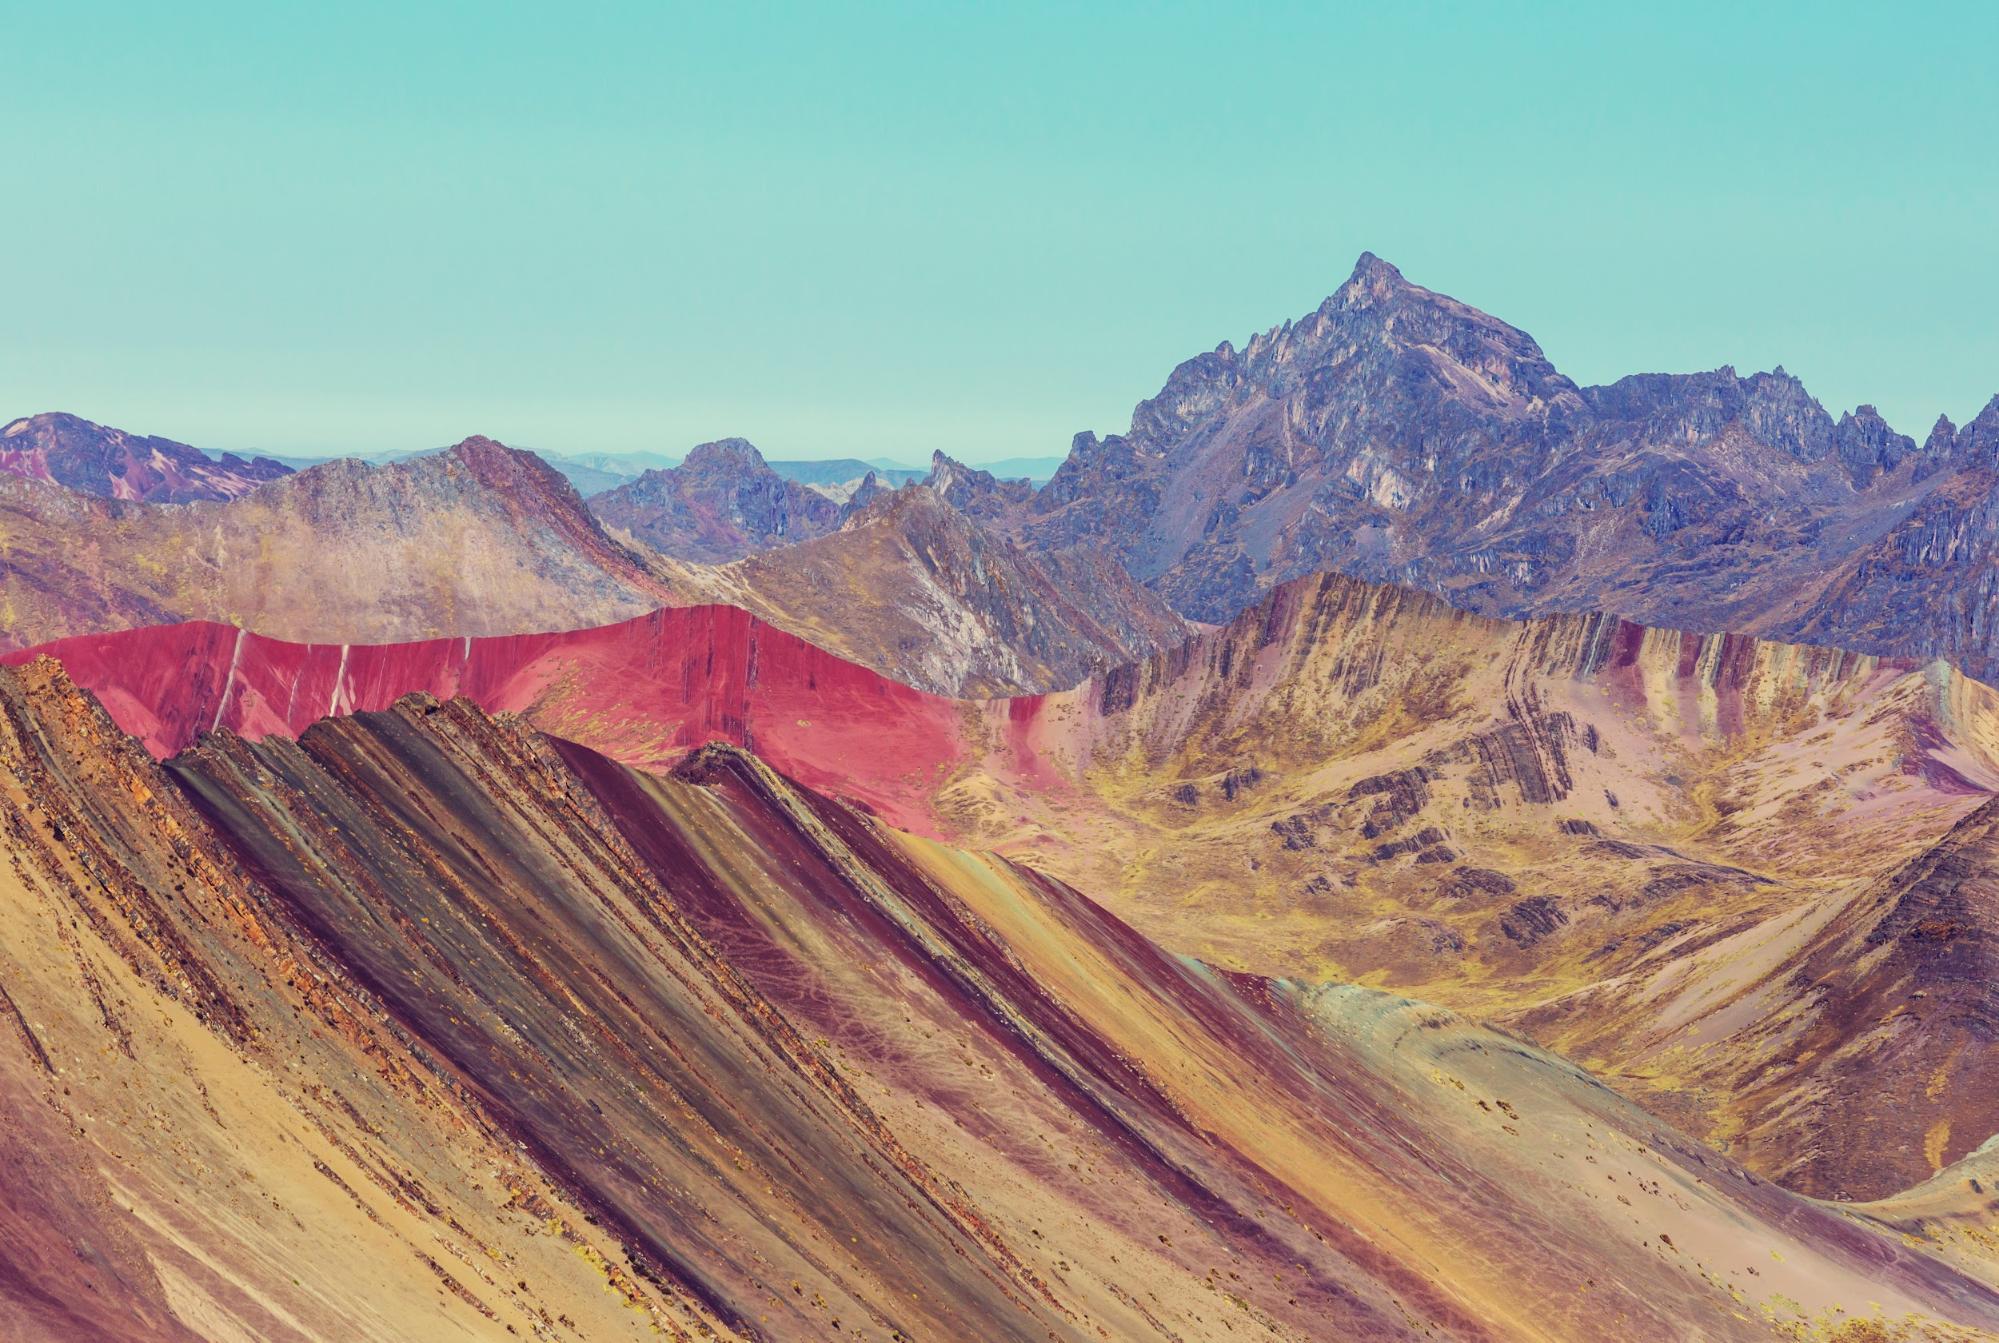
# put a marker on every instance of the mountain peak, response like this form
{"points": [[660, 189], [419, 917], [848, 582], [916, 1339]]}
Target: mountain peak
{"points": [[496, 462], [722, 503], [48, 419], [110, 463], [1372, 280], [735, 453], [919, 499], [1372, 269], [476, 444], [975, 491]]}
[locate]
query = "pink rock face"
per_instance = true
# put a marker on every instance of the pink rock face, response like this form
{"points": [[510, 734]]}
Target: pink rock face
{"points": [[646, 691]]}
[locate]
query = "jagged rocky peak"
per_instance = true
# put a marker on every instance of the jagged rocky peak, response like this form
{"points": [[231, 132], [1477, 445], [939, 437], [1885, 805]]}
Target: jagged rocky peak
{"points": [[974, 491], [1372, 280], [1398, 433], [1773, 408], [1411, 318], [866, 493], [1978, 441], [1778, 410], [1869, 446], [1380, 317], [918, 499]]}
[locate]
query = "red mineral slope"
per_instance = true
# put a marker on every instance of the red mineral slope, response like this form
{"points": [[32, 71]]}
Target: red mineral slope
{"points": [[645, 691]]}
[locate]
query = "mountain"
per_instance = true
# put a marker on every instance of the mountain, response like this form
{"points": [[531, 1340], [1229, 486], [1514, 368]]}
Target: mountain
{"points": [[645, 691], [588, 480], [425, 1025], [486, 540], [867, 489], [952, 605], [722, 503], [112, 464], [1609, 838], [650, 689], [1399, 435], [1924, 580], [481, 539], [630, 465]]}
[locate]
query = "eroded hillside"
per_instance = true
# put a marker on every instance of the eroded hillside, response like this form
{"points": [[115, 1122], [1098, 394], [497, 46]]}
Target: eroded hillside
{"points": [[556, 1047]]}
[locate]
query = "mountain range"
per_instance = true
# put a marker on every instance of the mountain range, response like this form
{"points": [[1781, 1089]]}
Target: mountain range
{"points": [[483, 539], [555, 1046], [1398, 435], [1574, 825], [1396, 844]]}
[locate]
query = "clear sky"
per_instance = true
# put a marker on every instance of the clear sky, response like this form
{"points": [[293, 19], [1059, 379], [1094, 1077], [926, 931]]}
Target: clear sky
{"points": [[842, 230]]}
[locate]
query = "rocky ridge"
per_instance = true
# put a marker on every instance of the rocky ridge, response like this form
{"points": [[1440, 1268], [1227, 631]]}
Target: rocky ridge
{"points": [[1398, 435], [109, 463]]}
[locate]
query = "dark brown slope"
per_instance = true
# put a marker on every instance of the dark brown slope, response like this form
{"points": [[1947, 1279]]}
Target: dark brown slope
{"points": [[1899, 997], [424, 1027], [112, 464]]}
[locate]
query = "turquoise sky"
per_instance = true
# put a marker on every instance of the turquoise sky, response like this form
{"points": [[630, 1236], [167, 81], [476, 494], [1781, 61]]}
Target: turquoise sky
{"points": [[840, 230]]}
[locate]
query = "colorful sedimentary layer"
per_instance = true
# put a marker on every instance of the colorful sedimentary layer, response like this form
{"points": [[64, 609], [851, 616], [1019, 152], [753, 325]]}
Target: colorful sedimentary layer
{"points": [[646, 691], [426, 1026], [1607, 836]]}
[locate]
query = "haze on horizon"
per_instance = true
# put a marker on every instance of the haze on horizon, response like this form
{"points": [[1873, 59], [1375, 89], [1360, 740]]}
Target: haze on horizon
{"points": [[366, 230]]}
